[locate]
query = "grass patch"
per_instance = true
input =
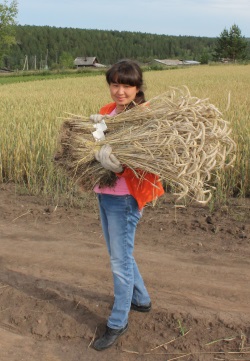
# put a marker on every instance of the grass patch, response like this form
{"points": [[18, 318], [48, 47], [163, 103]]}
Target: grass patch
{"points": [[26, 76]]}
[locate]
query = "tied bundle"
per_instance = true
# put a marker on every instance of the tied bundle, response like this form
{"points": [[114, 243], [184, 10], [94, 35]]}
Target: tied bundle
{"points": [[180, 138]]}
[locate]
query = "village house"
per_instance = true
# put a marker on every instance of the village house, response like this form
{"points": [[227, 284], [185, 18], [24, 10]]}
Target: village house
{"points": [[87, 61], [176, 62]]}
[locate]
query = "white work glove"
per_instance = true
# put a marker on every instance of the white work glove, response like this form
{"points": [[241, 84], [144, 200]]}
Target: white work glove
{"points": [[108, 160], [97, 118]]}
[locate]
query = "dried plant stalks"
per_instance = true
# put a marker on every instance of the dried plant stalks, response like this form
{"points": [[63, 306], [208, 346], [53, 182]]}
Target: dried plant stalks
{"points": [[180, 138]]}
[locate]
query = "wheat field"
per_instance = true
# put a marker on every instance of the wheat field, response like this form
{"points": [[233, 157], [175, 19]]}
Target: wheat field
{"points": [[31, 114]]}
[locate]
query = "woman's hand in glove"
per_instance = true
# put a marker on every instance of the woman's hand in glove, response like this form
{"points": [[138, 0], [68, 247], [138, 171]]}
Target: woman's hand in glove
{"points": [[107, 159], [97, 118]]}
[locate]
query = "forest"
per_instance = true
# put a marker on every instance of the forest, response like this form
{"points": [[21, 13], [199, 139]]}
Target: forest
{"points": [[45, 45]]}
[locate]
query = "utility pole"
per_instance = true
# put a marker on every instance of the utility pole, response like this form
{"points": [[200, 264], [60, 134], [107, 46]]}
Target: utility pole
{"points": [[46, 59], [26, 64]]}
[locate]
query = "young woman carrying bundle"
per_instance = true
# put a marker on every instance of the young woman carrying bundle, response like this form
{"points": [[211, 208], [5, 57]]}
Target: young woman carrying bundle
{"points": [[121, 207]]}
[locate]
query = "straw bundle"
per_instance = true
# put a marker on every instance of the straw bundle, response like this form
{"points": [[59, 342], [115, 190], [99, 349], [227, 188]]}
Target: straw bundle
{"points": [[180, 138]]}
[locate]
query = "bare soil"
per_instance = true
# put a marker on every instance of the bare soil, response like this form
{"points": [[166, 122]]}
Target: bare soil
{"points": [[56, 284]]}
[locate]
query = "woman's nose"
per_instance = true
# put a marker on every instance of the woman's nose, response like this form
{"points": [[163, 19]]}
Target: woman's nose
{"points": [[120, 89]]}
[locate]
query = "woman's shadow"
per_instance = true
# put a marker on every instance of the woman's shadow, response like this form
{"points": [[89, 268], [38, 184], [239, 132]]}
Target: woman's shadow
{"points": [[78, 303]]}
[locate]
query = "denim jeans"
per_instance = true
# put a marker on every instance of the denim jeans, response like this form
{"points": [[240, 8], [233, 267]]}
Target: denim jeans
{"points": [[119, 218]]}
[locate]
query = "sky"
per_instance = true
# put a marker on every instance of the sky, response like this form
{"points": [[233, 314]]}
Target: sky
{"points": [[168, 17]]}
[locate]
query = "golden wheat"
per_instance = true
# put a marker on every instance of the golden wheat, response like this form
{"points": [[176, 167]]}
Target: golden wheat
{"points": [[180, 138], [31, 114]]}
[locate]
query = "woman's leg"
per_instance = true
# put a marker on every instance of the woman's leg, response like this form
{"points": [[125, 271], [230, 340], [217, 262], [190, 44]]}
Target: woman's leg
{"points": [[119, 217], [140, 294]]}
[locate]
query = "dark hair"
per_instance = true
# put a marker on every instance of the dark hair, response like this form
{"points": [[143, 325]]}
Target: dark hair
{"points": [[127, 72]]}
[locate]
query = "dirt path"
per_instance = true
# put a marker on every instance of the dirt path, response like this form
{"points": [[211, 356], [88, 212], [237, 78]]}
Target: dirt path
{"points": [[56, 285]]}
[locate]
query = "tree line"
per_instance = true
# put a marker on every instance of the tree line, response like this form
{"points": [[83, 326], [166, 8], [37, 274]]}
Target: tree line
{"points": [[52, 46]]}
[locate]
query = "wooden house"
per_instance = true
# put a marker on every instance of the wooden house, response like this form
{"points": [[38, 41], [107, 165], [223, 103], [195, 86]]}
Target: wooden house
{"points": [[176, 62], [87, 61]]}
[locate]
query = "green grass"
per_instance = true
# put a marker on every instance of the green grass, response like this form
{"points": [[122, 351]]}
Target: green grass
{"points": [[26, 76]]}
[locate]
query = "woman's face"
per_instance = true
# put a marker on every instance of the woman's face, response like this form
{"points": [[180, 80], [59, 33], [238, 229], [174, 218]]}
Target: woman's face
{"points": [[122, 94]]}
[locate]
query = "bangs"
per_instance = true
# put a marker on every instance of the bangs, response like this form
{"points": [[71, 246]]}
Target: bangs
{"points": [[125, 72], [122, 78]]}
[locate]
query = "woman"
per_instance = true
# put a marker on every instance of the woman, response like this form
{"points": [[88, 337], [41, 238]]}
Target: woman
{"points": [[121, 207]]}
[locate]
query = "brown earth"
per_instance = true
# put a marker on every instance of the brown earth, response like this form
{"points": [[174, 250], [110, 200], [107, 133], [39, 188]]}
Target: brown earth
{"points": [[56, 284]]}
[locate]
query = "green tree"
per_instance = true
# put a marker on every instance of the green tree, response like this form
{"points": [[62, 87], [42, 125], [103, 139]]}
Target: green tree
{"points": [[8, 14], [50, 43], [204, 58], [231, 44], [66, 60]]}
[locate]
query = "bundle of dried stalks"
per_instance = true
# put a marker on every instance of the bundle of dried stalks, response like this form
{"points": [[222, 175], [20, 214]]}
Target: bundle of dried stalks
{"points": [[180, 138]]}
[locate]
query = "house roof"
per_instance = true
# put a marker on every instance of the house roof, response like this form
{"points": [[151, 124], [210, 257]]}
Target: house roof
{"points": [[169, 61], [85, 60], [191, 62], [98, 65], [5, 70], [175, 62]]}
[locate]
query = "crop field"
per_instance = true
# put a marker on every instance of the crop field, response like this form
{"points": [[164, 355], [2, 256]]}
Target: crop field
{"points": [[31, 114], [55, 282]]}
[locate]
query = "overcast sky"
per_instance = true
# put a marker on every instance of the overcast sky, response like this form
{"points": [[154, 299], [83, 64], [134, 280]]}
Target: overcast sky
{"points": [[169, 17]]}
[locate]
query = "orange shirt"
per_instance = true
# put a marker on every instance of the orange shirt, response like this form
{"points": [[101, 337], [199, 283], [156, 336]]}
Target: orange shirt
{"points": [[144, 189]]}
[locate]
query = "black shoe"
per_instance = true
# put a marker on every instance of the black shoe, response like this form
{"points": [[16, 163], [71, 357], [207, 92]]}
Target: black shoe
{"points": [[109, 338], [141, 308]]}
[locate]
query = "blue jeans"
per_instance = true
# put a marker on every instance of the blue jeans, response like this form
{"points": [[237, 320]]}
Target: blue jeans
{"points": [[119, 218]]}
